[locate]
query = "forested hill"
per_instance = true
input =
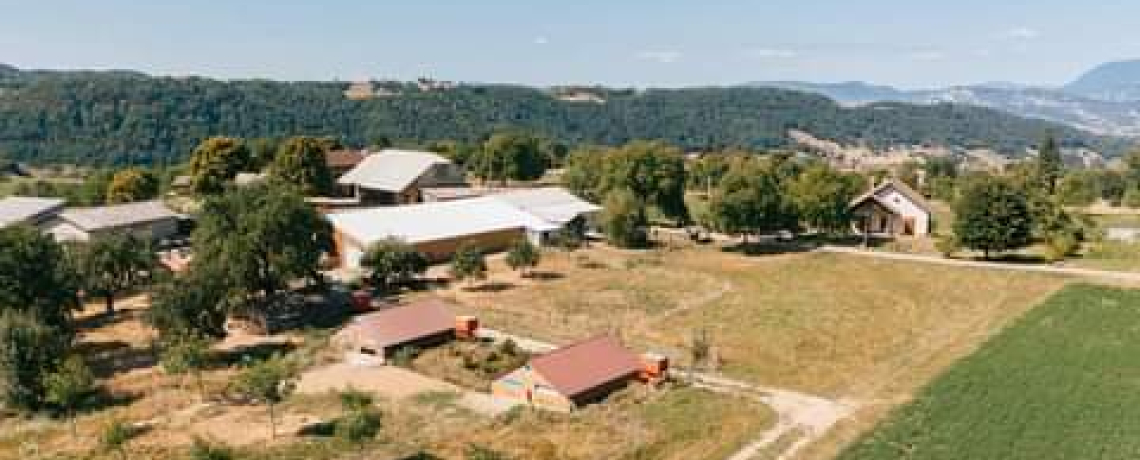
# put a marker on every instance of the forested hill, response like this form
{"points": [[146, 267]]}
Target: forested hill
{"points": [[95, 117]]}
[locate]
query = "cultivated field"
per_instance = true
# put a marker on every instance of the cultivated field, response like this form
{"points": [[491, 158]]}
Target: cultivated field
{"points": [[1059, 384]]}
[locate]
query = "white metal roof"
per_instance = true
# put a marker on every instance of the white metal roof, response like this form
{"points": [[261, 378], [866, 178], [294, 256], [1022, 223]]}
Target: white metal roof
{"points": [[552, 204], [16, 209], [391, 170], [118, 215], [425, 222]]}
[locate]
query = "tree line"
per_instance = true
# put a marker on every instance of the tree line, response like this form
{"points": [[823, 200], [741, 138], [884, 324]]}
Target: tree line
{"points": [[100, 118]]}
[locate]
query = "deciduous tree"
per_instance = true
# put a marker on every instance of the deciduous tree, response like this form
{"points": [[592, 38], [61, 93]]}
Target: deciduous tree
{"points": [[132, 184], [523, 255], [468, 263], [29, 351], [36, 277], [623, 220], [268, 382], [392, 261], [69, 386], [216, 161], [113, 264], [300, 162], [993, 216]]}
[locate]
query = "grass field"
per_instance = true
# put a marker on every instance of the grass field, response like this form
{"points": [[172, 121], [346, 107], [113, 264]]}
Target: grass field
{"points": [[825, 323], [1062, 383]]}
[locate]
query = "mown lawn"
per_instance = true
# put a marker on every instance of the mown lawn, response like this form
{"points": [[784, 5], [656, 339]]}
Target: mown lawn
{"points": [[1062, 383]]}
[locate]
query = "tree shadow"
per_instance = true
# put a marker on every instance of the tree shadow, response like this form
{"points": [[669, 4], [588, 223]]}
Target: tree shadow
{"points": [[253, 353], [491, 287], [101, 320], [107, 358], [768, 248], [544, 276], [1016, 258]]}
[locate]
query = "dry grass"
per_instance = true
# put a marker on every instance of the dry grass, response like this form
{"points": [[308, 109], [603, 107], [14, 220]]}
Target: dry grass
{"points": [[823, 323]]}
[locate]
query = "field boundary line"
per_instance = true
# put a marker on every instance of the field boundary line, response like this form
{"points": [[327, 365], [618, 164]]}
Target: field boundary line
{"points": [[1068, 271]]}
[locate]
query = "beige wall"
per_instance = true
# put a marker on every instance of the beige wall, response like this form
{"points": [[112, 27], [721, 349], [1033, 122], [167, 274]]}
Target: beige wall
{"points": [[527, 386], [437, 251]]}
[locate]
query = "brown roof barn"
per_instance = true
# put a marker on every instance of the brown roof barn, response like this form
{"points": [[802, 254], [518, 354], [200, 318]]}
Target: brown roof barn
{"points": [[573, 375], [421, 323]]}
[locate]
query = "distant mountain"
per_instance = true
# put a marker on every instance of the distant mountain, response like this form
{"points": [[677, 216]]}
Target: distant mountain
{"points": [[1114, 81], [1104, 101]]}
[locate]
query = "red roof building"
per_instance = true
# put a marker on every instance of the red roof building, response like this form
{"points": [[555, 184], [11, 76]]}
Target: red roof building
{"points": [[424, 323], [572, 376]]}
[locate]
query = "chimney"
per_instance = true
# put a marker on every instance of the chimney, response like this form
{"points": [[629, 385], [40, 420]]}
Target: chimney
{"points": [[466, 326]]}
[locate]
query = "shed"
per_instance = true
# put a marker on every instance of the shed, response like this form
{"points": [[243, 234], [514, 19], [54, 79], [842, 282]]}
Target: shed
{"points": [[572, 376], [380, 334], [147, 220]]}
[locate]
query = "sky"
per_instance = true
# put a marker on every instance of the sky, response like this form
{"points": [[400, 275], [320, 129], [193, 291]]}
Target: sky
{"points": [[640, 43]]}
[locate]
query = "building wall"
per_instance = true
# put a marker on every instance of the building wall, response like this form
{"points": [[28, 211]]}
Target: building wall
{"points": [[908, 208], [348, 249], [527, 386], [149, 231]]}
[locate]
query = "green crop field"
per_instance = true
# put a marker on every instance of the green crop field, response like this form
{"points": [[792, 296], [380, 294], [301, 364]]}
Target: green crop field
{"points": [[1063, 382]]}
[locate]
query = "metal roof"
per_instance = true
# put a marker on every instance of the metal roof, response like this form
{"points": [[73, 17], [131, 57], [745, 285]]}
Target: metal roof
{"points": [[118, 215], [552, 204], [402, 324], [17, 209], [581, 367], [391, 170], [436, 221]]}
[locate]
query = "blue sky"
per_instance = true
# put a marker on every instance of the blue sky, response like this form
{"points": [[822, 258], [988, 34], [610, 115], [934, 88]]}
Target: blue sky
{"points": [[636, 43]]}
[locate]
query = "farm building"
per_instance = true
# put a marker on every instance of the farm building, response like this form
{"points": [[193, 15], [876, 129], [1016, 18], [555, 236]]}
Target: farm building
{"points": [[33, 211], [891, 209], [435, 229], [376, 336], [576, 375], [396, 176], [147, 220], [555, 205]]}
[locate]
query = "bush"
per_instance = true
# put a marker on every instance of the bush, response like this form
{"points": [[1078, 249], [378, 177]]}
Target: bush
{"points": [[404, 356], [1059, 246], [948, 245]]}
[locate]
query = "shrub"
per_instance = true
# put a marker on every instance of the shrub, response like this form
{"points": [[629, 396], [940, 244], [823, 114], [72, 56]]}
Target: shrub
{"points": [[948, 245]]}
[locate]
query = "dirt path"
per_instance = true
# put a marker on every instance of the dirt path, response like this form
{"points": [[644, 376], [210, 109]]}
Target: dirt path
{"points": [[809, 416], [1069, 271]]}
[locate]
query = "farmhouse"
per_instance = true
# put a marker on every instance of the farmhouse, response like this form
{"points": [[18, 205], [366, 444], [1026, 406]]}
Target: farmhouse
{"points": [[435, 229], [397, 176], [891, 209], [379, 335], [576, 375], [147, 220], [33, 211]]}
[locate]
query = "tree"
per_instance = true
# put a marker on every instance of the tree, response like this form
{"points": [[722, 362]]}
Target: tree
{"points": [[186, 353], [468, 263], [35, 277], [1131, 197], [392, 261], [113, 264], [993, 216], [1048, 166], [523, 255], [509, 156], [132, 184], [216, 161], [115, 436], [195, 304], [581, 172], [623, 220], [822, 198], [1079, 188], [300, 162], [69, 386], [268, 382], [653, 171], [255, 240], [750, 200], [29, 351]]}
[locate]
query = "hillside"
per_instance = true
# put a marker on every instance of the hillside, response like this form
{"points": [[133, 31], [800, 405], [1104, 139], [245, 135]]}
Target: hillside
{"points": [[1113, 81], [93, 117]]}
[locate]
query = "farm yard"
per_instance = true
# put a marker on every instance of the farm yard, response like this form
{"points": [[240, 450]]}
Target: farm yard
{"points": [[1061, 383], [829, 324]]}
